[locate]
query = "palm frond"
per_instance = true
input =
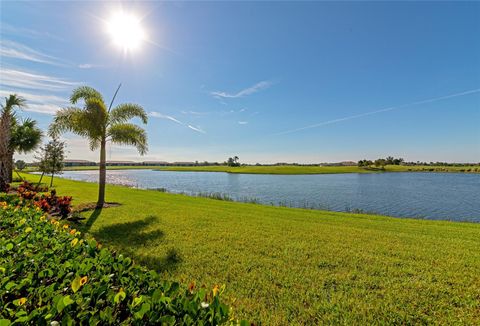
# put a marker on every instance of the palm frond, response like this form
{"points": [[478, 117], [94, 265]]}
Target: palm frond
{"points": [[129, 134], [96, 111], [74, 120], [26, 136], [85, 93], [124, 112], [12, 101]]}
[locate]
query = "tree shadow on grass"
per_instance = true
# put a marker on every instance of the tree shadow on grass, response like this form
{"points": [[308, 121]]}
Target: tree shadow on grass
{"points": [[93, 217], [132, 237]]}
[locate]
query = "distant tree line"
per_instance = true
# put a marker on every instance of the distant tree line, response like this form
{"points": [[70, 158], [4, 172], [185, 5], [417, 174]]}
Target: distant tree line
{"points": [[233, 161], [381, 162]]}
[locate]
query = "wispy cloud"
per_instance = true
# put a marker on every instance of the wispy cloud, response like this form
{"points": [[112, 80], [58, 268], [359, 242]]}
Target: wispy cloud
{"points": [[391, 108], [168, 117], [89, 66], [36, 88], [197, 129], [196, 112], [30, 80], [244, 92], [32, 33], [242, 122], [164, 116], [19, 51], [46, 104]]}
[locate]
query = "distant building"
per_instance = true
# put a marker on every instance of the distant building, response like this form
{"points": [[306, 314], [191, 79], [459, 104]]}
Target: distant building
{"points": [[348, 163], [122, 163], [184, 163], [155, 163], [78, 163]]}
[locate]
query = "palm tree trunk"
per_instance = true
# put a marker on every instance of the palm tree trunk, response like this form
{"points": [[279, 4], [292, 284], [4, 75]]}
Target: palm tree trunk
{"points": [[5, 159], [103, 174], [9, 166]]}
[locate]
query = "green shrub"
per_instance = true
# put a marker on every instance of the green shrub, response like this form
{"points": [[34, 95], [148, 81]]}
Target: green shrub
{"points": [[50, 274]]}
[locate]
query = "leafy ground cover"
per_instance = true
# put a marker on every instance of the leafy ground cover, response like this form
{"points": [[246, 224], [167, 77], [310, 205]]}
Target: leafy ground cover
{"points": [[292, 266], [50, 274], [293, 169]]}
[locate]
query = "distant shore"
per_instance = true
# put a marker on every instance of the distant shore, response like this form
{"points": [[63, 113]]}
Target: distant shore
{"points": [[292, 169]]}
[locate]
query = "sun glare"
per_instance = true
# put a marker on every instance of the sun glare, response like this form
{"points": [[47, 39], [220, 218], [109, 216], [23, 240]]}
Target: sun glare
{"points": [[126, 31]]}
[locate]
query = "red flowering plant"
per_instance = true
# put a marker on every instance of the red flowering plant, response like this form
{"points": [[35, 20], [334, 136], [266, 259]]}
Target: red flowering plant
{"points": [[50, 203]]}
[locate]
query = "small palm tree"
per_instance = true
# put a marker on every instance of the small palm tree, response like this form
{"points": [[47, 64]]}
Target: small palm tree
{"points": [[100, 124], [14, 136]]}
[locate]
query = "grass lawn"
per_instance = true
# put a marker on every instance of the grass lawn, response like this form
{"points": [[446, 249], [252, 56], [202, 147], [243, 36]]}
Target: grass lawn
{"points": [[292, 266], [291, 169]]}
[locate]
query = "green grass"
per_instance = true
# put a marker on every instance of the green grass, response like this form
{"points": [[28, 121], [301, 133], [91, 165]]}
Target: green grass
{"points": [[292, 266], [292, 169]]}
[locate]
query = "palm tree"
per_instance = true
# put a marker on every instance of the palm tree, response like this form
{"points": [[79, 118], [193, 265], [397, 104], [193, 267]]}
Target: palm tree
{"points": [[100, 124], [14, 136]]}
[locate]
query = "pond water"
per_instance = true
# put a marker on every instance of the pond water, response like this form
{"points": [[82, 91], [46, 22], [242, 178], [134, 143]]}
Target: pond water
{"points": [[448, 196]]}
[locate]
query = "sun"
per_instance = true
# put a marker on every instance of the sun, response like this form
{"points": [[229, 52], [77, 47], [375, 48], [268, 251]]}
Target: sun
{"points": [[126, 31]]}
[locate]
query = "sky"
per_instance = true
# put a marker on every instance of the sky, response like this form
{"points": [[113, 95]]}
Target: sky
{"points": [[270, 82]]}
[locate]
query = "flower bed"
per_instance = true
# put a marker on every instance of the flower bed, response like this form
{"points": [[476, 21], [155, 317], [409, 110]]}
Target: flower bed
{"points": [[51, 274]]}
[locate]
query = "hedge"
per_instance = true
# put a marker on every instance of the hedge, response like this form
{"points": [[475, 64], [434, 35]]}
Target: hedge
{"points": [[50, 274]]}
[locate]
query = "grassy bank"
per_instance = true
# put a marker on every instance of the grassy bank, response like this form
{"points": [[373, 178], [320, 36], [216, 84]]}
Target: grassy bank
{"points": [[294, 266], [292, 169]]}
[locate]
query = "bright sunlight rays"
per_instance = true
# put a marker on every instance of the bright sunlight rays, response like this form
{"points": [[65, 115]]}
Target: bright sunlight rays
{"points": [[126, 30]]}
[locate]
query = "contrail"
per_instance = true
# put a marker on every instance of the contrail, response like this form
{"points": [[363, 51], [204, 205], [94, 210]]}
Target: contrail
{"points": [[391, 108]]}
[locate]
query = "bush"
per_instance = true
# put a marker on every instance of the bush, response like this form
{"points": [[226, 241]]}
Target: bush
{"points": [[50, 274], [49, 203]]}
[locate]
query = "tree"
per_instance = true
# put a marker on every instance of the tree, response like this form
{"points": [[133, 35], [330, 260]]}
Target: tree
{"points": [[233, 161], [380, 163], [19, 167], [51, 158], [389, 160], [15, 136], [100, 124], [6, 118]]}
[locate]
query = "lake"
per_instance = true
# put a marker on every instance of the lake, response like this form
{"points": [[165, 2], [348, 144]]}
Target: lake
{"points": [[447, 196]]}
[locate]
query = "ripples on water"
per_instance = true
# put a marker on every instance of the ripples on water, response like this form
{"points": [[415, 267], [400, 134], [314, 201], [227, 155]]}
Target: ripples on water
{"points": [[448, 196]]}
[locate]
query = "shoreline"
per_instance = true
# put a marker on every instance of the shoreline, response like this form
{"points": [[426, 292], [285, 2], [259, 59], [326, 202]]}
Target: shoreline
{"points": [[291, 170], [307, 251]]}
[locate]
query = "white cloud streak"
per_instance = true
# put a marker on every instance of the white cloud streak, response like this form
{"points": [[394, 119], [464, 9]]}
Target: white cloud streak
{"points": [[242, 122], [391, 108], [46, 104], [168, 117], [32, 33], [89, 66], [197, 129], [28, 80], [19, 51], [244, 92]]}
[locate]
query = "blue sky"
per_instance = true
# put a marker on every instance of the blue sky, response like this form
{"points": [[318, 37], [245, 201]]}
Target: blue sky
{"points": [[271, 81]]}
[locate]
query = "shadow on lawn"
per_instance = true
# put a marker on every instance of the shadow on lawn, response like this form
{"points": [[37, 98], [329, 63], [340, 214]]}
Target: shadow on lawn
{"points": [[132, 237]]}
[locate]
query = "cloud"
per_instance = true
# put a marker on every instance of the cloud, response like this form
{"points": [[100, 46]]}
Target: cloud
{"points": [[32, 33], [168, 117], [244, 92], [46, 104], [19, 51], [242, 122], [196, 112], [89, 66], [197, 129], [391, 108], [36, 89], [164, 116], [29, 80]]}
